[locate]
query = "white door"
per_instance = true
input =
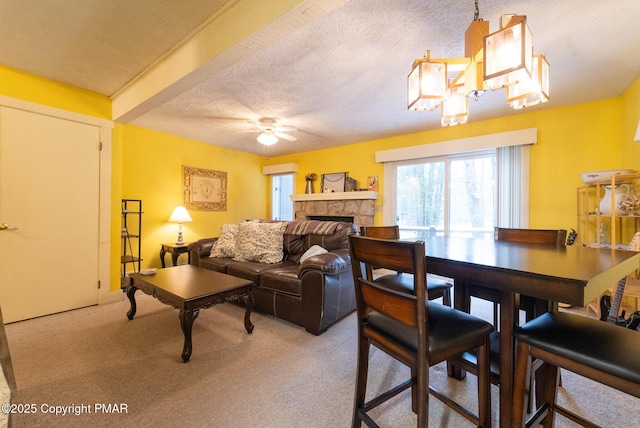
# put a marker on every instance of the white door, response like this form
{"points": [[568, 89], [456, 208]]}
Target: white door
{"points": [[49, 190]]}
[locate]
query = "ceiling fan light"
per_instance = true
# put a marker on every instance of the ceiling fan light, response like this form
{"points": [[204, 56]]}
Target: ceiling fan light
{"points": [[426, 84], [267, 138], [535, 90], [508, 53]]}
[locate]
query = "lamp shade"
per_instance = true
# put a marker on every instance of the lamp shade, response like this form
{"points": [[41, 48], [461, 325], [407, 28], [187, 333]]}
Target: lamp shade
{"points": [[180, 215], [637, 137], [508, 53]]}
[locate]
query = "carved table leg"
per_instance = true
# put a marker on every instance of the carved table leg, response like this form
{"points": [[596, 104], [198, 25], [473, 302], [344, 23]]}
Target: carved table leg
{"points": [[131, 291], [162, 253], [248, 302], [186, 322]]}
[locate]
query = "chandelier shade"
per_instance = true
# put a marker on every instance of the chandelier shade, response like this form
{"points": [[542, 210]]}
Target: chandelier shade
{"points": [[426, 84], [508, 53], [529, 92], [455, 109]]}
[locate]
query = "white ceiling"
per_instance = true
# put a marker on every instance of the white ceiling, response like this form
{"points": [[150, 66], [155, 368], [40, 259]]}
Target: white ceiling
{"points": [[335, 69]]}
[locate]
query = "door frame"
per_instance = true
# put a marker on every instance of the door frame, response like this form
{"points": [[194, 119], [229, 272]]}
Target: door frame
{"points": [[104, 222]]}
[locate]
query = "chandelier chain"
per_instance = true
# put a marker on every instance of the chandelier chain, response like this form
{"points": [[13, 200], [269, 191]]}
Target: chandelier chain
{"points": [[476, 15]]}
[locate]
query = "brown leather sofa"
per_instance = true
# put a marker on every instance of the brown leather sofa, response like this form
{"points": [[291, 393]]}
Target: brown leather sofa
{"points": [[313, 294]]}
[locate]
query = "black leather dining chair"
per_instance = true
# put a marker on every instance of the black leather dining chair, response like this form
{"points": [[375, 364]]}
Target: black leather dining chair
{"points": [[436, 287], [574, 343], [408, 328]]}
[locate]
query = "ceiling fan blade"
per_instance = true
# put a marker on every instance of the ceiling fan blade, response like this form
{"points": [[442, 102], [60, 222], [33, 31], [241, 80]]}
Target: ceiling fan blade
{"points": [[286, 137], [285, 128]]}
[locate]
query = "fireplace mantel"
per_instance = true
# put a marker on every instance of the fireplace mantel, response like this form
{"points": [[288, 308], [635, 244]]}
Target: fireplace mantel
{"points": [[334, 196], [359, 205]]}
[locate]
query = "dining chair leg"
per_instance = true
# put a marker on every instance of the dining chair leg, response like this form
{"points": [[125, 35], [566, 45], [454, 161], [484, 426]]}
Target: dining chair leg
{"points": [[362, 374], [521, 385], [550, 394], [414, 390], [422, 382], [484, 385], [446, 298]]}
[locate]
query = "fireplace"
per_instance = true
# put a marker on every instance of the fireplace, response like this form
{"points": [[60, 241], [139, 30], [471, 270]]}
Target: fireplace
{"points": [[354, 207]]}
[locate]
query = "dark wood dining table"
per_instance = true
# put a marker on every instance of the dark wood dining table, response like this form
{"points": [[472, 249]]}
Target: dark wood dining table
{"points": [[575, 275]]}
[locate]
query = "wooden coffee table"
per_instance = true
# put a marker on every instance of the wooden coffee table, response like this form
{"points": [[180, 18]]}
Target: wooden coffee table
{"points": [[189, 289]]}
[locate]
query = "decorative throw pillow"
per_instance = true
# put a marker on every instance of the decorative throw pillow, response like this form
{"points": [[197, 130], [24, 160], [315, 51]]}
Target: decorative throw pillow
{"points": [[313, 251], [260, 242], [225, 246]]}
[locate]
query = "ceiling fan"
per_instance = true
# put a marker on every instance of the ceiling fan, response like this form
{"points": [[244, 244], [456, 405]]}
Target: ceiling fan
{"points": [[270, 132]]}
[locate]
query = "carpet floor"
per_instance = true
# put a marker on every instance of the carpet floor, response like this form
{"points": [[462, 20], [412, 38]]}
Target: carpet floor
{"points": [[94, 367]]}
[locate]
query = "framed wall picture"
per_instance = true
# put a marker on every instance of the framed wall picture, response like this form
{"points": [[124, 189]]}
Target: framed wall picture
{"points": [[333, 182], [204, 189]]}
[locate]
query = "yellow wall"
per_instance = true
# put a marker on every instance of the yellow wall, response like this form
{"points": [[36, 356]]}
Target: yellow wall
{"points": [[24, 86], [152, 171], [571, 140], [147, 165], [630, 120]]}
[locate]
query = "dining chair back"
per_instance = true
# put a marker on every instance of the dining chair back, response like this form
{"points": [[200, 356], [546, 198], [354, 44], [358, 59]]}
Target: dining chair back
{"points": [[405, 326], [556, 237], [436, 287]]}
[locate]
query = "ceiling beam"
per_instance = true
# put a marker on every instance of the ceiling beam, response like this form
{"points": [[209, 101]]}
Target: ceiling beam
{"points": [[243, 28]]}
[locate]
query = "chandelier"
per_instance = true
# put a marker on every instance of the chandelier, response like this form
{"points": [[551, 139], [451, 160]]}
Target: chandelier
{"points": [[503, 59]]}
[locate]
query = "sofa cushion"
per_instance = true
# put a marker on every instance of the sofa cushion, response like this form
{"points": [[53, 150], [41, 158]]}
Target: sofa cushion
{"points": [[293, 247], [225, 246], [340, 239], [253, 270], [259, 242], [217, 264], [282, 280]]}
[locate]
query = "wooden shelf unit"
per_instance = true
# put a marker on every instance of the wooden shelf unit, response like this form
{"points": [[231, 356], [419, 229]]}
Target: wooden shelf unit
{"points": [[131, 238], [620, 229]]}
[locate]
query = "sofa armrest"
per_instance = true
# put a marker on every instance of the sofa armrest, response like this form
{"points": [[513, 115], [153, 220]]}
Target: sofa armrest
{"points": [[200, 249], [330, 263]]}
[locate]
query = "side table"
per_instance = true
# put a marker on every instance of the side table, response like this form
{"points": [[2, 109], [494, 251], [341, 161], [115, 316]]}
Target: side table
{"points": [[175, 250]]}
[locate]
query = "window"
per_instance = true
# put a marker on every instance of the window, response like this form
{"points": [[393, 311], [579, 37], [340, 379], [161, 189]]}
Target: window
{"points": [[447, 195], [451, 204], [281, 190]]}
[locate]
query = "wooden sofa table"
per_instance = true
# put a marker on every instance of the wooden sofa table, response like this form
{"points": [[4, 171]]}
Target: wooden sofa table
{"points": [[189, 289]]}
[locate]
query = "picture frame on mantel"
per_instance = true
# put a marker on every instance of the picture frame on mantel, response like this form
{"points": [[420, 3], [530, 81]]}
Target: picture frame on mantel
{"points": [[204, 189], [333, 182]]}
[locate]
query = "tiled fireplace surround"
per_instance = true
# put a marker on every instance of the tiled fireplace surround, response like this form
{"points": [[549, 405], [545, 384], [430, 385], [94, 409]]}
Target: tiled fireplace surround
{"points": [[359, 205]]}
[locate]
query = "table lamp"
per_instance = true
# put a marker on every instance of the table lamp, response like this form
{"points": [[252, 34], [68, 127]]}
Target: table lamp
{"points": [[179, 215]]}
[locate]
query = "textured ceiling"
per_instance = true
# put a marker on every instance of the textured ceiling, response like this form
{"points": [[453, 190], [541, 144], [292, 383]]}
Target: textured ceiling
{"points": [[337, 74]]}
